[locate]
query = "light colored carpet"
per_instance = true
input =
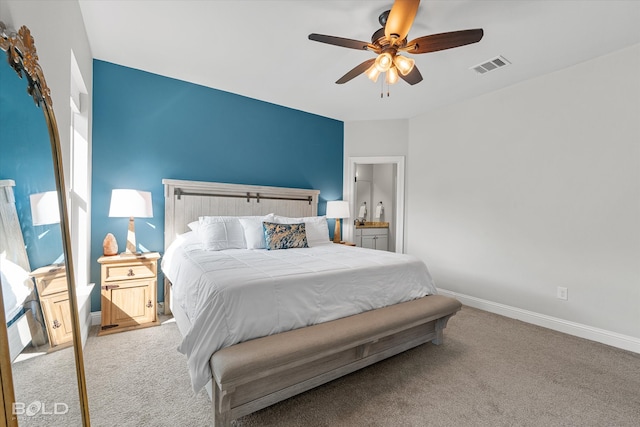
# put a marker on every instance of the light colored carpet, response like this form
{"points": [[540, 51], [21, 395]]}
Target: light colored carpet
{"points": [[490, 371]]}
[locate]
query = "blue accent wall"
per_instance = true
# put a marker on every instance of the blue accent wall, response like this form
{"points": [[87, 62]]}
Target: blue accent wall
{"points": [[148, 127], [25, 157]]}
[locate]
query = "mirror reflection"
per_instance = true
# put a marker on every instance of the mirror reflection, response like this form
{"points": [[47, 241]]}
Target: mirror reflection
{"points": [[34, 283], [375, 200]]}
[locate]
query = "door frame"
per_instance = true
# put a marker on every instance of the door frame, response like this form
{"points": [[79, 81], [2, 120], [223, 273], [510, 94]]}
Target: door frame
{"points": [[350, 192]]}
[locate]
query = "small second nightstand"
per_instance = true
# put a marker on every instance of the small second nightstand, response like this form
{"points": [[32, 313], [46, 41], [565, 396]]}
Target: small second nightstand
{"points": [[128, 289], [53, 293]]}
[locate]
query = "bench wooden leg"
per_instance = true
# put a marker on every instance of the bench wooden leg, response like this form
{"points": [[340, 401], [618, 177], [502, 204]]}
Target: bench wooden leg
{"points": [[221, 406], [440, 325]]}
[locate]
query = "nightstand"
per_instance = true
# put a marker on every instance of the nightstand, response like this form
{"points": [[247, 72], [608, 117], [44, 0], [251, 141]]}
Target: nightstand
{"points": [[51, 282], [342, 242], [128, 291]]}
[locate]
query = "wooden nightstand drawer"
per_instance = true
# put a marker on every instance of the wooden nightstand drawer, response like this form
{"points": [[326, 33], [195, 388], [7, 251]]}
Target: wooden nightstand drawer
{"points": [[53, 282], [129, 271]]}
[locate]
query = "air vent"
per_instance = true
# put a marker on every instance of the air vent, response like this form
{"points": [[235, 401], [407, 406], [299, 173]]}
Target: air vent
{"points": [[490, 65]]}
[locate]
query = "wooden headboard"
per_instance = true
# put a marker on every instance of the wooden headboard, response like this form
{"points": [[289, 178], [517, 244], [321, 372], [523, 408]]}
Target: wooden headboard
{"points": [[186, 201], [11, 240]]}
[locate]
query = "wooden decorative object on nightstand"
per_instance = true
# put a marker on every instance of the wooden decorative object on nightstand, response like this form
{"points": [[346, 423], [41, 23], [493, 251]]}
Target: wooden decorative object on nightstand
{"points": [[128, 289], [342, 242], [51, 282]]}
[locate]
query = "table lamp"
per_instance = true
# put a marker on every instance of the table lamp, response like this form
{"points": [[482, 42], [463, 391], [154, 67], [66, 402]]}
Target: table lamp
{"points": [[44, 208], [337, 209], [126, 203]]}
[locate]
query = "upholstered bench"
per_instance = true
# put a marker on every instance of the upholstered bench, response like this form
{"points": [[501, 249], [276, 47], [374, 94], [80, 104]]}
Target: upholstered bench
{"points": [[255, 374]]}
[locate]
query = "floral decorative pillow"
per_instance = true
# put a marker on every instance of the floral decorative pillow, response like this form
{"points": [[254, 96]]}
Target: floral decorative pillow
{"points": [[284, 236]]}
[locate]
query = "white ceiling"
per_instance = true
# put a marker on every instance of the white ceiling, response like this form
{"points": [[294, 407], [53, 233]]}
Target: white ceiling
{"points": [[260, 48]]}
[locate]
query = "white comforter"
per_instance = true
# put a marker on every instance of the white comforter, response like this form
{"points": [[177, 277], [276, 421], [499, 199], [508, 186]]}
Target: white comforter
{"points": [[16, 287], [235, 295]]}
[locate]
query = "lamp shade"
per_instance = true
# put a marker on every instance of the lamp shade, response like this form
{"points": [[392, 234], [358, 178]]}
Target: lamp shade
{"points": [[403, 64], [392, 76], [338, 209], [44, 208], [130, 204]]}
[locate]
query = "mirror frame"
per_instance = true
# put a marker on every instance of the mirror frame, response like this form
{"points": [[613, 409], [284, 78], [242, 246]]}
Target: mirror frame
{"points": [[23, 58]]}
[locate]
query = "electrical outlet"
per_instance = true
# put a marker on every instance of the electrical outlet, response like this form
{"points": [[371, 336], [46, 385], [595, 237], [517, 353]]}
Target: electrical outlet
{"points": [[563, 293]]}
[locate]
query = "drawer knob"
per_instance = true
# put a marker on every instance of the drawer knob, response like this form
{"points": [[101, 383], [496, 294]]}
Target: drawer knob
{"points": [[149, 305], [56, 324], [131, 273]]}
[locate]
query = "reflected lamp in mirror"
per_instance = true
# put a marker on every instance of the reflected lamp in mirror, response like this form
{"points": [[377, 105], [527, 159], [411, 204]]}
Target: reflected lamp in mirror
{"points": [[44, 208], [126, 203], [338, 209]]}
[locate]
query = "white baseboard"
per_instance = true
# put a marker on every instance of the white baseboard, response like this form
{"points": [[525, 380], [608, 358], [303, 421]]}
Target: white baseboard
{"points": [[614, 339], [96, 318]]}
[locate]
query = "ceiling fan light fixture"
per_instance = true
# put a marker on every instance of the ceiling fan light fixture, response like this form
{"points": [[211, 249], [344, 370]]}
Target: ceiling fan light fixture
{"points": [[373, 73], [390, 40], [392, 76], [384, 61], [404, 64]]}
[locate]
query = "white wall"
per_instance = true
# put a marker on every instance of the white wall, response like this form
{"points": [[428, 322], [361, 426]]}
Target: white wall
{"points": [[364, 190], [384, 186], [536, 186], [373, 139], [58, 29]]}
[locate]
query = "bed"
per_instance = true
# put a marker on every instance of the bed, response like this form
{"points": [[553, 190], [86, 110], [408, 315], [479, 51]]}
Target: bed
{"points": [[15, 295], [261, 325]]}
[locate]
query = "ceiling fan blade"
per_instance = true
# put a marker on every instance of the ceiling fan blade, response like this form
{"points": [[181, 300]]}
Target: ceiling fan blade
{"points": [[340, 41], [413, 77], [359, 69], [400, 19], [442, 41]]}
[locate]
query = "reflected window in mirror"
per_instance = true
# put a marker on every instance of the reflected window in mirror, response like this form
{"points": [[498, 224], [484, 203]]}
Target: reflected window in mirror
{"points": [[80, 182]]}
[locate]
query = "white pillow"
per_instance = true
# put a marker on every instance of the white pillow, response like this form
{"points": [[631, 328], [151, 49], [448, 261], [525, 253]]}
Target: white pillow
{"points": [[193, 226], [316, 228], [221, 232], [253, 231]]}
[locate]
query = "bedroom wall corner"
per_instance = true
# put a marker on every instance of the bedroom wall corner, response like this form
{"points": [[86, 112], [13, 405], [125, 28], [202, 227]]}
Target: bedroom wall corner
{"points": [[539, 189]]}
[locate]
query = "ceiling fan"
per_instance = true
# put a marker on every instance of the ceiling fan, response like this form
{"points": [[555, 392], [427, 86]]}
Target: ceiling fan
{"points": [[391, 40]]}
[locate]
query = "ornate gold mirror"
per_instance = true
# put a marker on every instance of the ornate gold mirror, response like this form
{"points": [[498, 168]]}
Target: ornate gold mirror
{"points": [[40, 340]]}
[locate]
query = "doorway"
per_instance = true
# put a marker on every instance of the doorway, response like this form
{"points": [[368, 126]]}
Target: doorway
{"points": [[394, 210]]}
